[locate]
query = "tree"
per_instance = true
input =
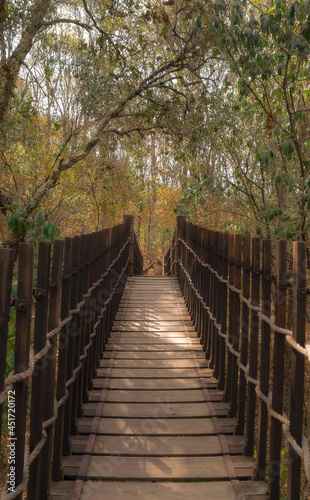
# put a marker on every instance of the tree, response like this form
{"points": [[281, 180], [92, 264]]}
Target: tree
{"points": [[125, 68]]}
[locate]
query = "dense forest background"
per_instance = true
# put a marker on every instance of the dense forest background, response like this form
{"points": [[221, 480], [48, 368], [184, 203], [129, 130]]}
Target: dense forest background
{"points": [[198, 108]]}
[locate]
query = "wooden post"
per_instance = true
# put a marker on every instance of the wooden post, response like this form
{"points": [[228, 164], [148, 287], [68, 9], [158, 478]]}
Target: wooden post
{"points": [[298, 367], [244, 333], [76, 296], [57, 471], [38, 377], [253, 358], [210, 301], [22, 345], [278, 369], [6, 272], [130, 219], [71, 331], [207, 294], [217, 309], [86, 334], [231, 273], [264, 362], [82, 290], [49, 393], [180, 224], [224, 272], [204, 285], [236, 325]]}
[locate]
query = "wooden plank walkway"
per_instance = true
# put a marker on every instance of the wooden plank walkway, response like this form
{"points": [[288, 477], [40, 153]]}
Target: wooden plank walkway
{"points": [[155, 426]]}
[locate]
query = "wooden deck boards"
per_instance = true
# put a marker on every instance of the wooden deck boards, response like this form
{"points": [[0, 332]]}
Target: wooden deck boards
{"points": [[155, 437]]}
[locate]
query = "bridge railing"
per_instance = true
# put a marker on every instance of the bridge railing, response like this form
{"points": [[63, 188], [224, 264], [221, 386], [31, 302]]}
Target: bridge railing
{"points": [[68, 317], [239, 296]]}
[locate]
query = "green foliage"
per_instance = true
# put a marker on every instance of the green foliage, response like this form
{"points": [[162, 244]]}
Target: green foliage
{"points": [[36, 229]]}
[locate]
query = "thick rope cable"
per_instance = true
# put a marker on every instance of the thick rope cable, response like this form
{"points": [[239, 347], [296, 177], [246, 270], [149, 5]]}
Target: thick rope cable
{"points": [[305, 351], [34, 358], [302, 451]]}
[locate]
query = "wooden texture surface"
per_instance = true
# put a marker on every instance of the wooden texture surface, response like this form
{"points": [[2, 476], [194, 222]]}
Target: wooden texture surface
{"points": [[161, 430]]}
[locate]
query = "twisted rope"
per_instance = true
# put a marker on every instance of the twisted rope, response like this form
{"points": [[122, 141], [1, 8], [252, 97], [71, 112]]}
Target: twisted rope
{"points": [[30, 457], [34, 358], [303, 451], [305, 351]]}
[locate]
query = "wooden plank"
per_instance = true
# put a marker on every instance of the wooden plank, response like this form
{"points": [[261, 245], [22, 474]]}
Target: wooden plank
{"points": [[153, 295], [152, 316], [150, 373], [152, 354], [153, 427], [153, 384], [174, 341], [152, 327], [154, 364], [132, 396], [149, 410], [152, 446], [172, 323], [156, 445], [154, 491], [163, 409], [155, 468], [96, 490], [150, 308], [155, 335], [152, 347]]}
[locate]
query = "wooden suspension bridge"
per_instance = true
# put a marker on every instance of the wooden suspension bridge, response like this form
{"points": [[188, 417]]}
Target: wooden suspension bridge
{"points": [[153, 387]]}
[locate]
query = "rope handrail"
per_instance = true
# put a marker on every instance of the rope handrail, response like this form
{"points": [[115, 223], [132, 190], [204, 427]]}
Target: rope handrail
{"points": [[30, 457], [303, 450], [33, 358], [269, 320]]}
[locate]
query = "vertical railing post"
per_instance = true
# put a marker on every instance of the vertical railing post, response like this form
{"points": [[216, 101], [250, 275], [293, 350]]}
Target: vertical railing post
{"points": [[217, 308], [253, 357], [38, 376], [6, 272], [207, 293], [49, 393], [236, 325], [23, 304], [204, 313], [223, 304], [209, 346], [86, 322], [230, 360], [180, 222], [298, 367], [200, 283], [244, 333], [264, 362], [57, 471], [76, 297], [130, 220], [72, 330], [278, 369], [81, 290]]}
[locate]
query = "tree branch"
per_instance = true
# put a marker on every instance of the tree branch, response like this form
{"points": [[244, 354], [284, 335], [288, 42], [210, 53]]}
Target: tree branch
{"points": [[67, 21], [63, 164], [10, 70]]}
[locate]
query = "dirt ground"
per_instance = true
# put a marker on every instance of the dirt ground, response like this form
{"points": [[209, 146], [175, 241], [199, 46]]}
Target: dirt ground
{"points": [[156, 269]]}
